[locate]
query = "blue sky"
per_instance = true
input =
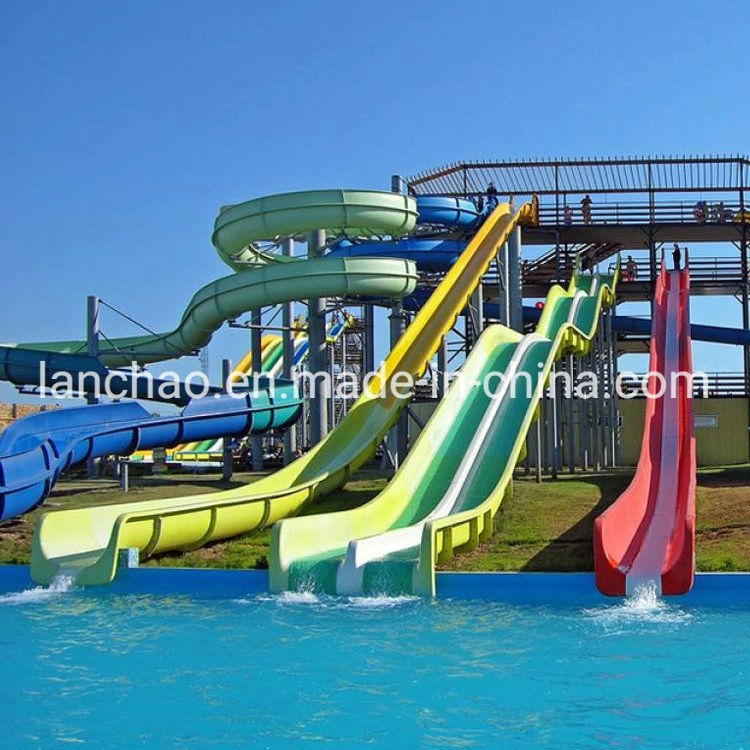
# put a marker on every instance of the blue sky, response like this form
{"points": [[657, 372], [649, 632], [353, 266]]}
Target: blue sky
{"points": [[126, 125]]}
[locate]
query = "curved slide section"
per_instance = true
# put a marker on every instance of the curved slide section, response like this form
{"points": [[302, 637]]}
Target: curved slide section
{"points": [[428, 254], [230, 296], [446, 493], [443, 211], [34, 451], [353, 213], [65, 538], [648, 536]]}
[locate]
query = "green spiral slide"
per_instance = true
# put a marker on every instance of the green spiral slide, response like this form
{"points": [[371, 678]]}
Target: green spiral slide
{"points": [[262, 281]]}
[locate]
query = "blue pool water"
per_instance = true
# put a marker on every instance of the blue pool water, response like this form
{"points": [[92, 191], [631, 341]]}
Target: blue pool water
{"points": [[218, 663]]}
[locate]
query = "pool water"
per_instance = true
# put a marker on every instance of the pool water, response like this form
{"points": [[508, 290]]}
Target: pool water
{"points": [[237, 667]]}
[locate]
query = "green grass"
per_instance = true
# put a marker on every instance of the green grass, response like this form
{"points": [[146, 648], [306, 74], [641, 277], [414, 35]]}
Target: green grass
{"points": [[543, 527]]}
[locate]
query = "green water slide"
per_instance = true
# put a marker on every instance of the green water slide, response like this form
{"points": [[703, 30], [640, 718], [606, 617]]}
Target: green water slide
{"points": [[262, 278], [446, 493], [85, 542]]}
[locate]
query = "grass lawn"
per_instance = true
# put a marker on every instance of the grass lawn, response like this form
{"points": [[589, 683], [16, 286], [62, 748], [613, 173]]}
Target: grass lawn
{"points": [[544, 527]]}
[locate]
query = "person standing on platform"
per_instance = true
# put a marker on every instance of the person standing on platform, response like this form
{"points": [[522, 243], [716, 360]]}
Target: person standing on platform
{"points": [[492, 200], [676, 256], [586, 208]]}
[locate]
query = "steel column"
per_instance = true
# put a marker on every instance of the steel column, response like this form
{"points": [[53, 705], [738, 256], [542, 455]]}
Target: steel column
{"points": [[398, 438], [92, 349], [226, 451], [317, 355], [515, 283], [287, 367], [256, 349]]}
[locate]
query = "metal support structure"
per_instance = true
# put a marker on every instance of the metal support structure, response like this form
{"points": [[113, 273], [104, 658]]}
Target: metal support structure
{"points": [[256, 350], [613, 402], [600, 427], [317, 356], [745, 291], [287, 365], [92, 349], [583, 420], [369, 338], [570, 438], [442, 366], [544, 419], [476, 312], [398, 184], [398, 437], [538, 466], [226, 450], [123, 467], [503, 293], [515, 282], [554, 424]]}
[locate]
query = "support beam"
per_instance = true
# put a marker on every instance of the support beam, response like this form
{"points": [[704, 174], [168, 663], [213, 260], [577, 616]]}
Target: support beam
{"points": [[555, 424], [369, 339], [226, 450], [92, 349], [476, 312], [287, 365], [614, 404], [256, 349], [442, 366], [317, 356], [399, 435], [515, 290], [538, 465], [570, 417]]}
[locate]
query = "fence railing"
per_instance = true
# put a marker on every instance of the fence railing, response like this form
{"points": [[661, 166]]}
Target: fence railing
{"points": [[700, 212], [724, 270], [704, 385]]}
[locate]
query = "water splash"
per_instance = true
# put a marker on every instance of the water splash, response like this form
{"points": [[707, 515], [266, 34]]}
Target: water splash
{"points": [[643, 606], [61, 584], [307, 597], [297, 597], [381, 600], [645, 598], [285, 597]]}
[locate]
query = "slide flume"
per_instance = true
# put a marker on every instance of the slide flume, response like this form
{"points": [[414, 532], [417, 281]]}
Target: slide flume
{"points": [[35, 450], [65, 538], [446, 493], [647, 537], [231, 296]]}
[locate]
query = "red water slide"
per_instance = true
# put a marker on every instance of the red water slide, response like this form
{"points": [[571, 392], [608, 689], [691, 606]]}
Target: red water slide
{"points": [[648, 534]]}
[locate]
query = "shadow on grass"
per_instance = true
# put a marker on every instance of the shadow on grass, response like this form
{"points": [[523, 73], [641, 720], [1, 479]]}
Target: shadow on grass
{"points": [[725, 476], [573, 549]]}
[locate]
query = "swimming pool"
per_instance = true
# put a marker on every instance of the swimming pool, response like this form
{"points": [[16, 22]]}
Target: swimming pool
{"points": [[208, 659]]}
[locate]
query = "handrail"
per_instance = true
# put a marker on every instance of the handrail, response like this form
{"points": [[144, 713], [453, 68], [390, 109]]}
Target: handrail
{"points": [[713, 384], [699, 212]]}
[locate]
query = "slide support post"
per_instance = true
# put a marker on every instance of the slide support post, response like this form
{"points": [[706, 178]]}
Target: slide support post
{"points": [[287, 318], [515, 291], [226, 450], [318, 364], [92, 349], [256, 348]]}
